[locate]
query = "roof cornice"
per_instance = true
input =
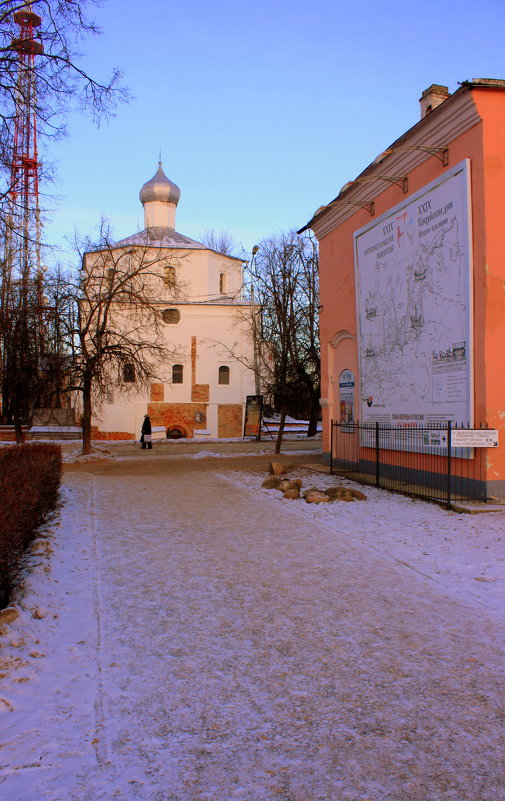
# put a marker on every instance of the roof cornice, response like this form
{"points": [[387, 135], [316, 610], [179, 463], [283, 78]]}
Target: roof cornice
{"points": [[453, 117]]}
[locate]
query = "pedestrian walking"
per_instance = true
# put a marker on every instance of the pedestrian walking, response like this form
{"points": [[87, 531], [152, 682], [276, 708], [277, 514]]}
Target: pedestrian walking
{"points": [[146, 431]]}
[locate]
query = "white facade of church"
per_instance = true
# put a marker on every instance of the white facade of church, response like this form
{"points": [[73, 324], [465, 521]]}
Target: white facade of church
{"points": [[202, 391]]}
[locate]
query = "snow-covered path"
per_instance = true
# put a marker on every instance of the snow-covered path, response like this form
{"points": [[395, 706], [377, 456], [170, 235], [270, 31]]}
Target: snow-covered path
{"points": [[215, 644]]}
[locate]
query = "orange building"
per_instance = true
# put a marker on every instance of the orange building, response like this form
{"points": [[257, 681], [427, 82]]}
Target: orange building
{"points": [[412, 280]]}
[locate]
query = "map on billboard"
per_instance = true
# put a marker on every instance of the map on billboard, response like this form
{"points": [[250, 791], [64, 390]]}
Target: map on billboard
{"points": [[413, 282]]}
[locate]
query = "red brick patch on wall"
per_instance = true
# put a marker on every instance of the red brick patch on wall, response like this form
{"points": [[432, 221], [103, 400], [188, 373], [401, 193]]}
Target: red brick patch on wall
{"points": [[110, 435], [200, 393], [157, 393], [8, 434], [229, 420], [177, 415]]}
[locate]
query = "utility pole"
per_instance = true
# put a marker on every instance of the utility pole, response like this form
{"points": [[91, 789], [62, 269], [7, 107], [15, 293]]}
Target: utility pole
{"points": [[254, 326]]}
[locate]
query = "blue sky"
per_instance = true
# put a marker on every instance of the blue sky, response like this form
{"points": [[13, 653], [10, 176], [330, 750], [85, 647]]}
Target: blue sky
{"points": [[263, 110]]}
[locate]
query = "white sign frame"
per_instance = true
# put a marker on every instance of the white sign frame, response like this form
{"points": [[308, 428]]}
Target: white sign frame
{"points": [[474, 438], [454, 370]]}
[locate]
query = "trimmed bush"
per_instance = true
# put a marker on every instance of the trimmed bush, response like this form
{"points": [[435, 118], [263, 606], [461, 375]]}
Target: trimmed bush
{"points": [[30, 477]]}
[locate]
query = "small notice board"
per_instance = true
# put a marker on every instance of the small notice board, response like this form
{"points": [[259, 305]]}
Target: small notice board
{"points": [[474, 438], [252, 419]]}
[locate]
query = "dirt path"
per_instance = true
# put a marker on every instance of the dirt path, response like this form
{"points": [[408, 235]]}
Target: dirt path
{"points": [[230, 650]]}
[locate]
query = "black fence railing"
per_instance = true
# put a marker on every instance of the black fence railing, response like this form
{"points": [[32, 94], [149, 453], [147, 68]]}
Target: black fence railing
{"points": [[415, 461]]}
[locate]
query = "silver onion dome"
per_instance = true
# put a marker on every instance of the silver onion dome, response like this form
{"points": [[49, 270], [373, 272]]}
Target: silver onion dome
{"points": [[160, 188]]}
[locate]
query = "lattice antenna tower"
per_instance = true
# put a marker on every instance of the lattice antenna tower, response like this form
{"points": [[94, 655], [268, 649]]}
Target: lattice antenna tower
{"points": [[24, 225]]}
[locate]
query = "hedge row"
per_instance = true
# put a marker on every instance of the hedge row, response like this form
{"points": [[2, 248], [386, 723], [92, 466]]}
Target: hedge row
{"points": [[30, 477]]}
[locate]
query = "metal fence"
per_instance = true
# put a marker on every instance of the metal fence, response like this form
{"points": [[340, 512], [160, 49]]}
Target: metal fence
{"points": [[416, 461]]}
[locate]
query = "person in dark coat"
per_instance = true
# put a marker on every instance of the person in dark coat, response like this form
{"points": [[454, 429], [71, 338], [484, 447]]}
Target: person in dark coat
{"points": [[146, 431]]}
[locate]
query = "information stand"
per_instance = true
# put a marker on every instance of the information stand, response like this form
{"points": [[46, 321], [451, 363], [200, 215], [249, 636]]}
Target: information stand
{"points": [[253, 413]]}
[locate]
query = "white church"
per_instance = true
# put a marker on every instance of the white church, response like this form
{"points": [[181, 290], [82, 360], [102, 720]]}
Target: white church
{"points": [[202, 394]]}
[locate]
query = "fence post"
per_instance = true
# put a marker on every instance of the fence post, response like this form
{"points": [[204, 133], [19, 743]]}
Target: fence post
{"points": [[331, 446], [449, 456], [377, 453]]}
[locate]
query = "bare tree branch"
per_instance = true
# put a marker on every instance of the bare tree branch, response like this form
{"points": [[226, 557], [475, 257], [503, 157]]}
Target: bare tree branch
{"points": [[221, 242], [118, 335]]}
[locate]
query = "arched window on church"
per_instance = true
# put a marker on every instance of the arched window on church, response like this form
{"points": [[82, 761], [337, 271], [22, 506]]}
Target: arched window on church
{"points": [[128, 373], [223, 374], [222, 282], [169, 275], [177, 374], [171, 316]]}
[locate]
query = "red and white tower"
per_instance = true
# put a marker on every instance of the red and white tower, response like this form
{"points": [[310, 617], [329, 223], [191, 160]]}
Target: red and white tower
{"points": [[23, 238]]}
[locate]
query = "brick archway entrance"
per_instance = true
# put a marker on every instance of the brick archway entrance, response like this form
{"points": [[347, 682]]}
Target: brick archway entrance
{"points": [[176, 432]]}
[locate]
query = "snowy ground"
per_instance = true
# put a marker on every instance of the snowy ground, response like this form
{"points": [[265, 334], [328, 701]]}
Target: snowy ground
{"points": [[463, 554], [184, 635]]}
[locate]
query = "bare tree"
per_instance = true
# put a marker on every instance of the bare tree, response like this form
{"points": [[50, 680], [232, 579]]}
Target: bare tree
{"points": [[20, 348], [42, 76], [42, 79], [305, 347], [284, 275], [281, 320], [220, 241], [62, 82], [117, 332]]}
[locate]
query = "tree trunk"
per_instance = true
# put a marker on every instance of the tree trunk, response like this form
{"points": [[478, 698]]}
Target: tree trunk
{"points": [[280, 433], [86, 416], [18, 428], [314, 417]]}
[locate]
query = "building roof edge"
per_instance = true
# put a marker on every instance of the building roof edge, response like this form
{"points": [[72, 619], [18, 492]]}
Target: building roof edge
{"points": [[463, 122]]}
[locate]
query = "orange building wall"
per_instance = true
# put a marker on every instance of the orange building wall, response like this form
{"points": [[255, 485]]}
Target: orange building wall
{"points": [[491, 107], [484, 145]]}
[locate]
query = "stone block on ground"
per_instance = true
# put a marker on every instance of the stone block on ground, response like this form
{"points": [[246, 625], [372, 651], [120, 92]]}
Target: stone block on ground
{"points": [[315, 496], [272, 482], [289, 483], [341, 493], [337, 493], [277, 468], [9, 615], [292, 493]]}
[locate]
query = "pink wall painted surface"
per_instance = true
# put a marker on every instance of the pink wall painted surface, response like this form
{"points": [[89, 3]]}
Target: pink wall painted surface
{"points": [[484, 145], [491, 107]]}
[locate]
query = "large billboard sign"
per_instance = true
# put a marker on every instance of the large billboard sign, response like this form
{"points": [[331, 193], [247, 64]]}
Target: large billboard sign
{"points": [[414, 308]]}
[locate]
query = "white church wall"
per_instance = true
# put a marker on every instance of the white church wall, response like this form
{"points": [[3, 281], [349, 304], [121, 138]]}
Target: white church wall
{"points": [[204, 288], [217, 331]]}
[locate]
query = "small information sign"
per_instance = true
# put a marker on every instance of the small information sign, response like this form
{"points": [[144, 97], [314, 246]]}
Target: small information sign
{"points": [[435, 439], [346, 382], [252, 420], [474, 438]]}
